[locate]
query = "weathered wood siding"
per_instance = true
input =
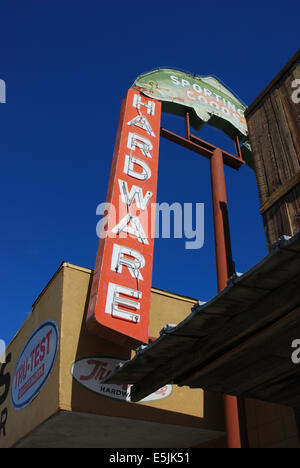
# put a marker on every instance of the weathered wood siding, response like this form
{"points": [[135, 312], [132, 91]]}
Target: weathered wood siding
{"points": [[274, 131]]}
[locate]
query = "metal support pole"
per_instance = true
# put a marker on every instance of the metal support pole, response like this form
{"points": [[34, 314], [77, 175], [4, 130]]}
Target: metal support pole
{"points": [[225, 269], [187, 126]]}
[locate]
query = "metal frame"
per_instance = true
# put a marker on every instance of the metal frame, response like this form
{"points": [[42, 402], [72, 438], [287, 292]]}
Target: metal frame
{"points": [[235, 424]]}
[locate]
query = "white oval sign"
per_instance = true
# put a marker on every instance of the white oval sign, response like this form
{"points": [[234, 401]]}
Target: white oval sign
{"points": [[90, 372], [34, 365]]}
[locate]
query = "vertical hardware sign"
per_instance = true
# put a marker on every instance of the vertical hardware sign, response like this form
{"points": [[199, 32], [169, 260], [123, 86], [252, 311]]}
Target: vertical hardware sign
{"points": [[119, 305]]}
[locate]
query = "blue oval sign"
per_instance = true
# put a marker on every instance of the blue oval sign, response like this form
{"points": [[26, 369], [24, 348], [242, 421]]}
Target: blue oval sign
{"points": [[34, 365]]}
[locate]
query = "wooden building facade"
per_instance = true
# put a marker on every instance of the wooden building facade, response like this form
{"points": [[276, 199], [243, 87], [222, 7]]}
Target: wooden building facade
{"points": [[274, 123]]}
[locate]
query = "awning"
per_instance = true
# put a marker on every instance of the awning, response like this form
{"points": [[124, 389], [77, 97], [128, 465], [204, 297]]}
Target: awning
{"points": [[238, 343]]}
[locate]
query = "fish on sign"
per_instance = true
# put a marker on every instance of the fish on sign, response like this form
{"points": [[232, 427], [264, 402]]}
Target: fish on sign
{"points": [[119, 304]]}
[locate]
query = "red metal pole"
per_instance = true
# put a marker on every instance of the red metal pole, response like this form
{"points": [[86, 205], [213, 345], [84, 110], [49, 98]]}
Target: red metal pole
{"points": [[225, 269], [238, 147], [224, 262]]}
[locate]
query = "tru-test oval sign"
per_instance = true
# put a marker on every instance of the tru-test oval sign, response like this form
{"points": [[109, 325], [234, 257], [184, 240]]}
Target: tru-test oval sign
{"points": [[90, 372], [35, 364]]}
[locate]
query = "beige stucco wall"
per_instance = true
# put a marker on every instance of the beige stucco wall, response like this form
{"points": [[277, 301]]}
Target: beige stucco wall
{"points": [[21, 422], [78, 344], [270, 425], [64, 301]]}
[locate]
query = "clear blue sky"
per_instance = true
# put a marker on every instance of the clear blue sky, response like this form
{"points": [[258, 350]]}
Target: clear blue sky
{"points": [[67, 65]]}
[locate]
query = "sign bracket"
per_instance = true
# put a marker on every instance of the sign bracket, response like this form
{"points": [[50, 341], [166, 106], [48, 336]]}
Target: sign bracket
{"points": [[202, 147]]}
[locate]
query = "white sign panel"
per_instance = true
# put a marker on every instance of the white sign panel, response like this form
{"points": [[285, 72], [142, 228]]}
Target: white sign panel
{"points": [[34, 365], [90, 372]]}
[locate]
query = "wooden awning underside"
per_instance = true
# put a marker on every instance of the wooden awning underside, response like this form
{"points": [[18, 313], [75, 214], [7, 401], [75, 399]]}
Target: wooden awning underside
{"points": [[238, 343]]}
